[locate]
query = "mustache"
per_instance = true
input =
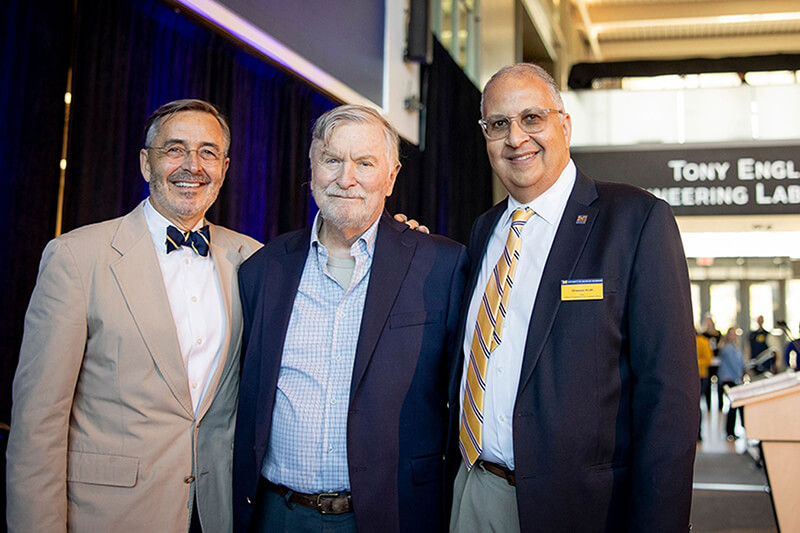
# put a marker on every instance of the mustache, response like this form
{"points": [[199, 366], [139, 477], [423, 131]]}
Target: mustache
{"points": [[334, 190]]}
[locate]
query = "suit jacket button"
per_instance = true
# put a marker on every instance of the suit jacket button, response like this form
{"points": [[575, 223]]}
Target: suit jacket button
{"points": [[188, 479], [248, 501]]}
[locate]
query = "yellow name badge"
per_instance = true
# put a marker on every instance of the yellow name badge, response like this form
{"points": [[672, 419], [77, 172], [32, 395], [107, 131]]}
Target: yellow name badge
{"points": [[581, 289]]}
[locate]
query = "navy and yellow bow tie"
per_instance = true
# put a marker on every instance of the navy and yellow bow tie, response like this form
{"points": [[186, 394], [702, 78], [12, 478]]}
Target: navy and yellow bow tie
{"points": [[196, 240]]}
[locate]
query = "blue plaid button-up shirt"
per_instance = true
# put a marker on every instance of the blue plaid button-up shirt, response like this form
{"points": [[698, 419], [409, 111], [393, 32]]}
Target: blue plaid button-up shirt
{"points": [[307, 449]]}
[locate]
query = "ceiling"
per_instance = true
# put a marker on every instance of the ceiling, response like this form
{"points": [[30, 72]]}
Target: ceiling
{"points": [[742, 235], [654, 37], [630, 30]]}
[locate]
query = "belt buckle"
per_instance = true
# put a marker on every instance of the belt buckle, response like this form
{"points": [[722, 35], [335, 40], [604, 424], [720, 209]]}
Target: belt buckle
{"points": [[326, 496]]}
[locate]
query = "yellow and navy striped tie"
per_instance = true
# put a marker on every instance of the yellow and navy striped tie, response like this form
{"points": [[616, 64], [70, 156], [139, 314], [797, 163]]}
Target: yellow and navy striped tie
{"points": [[487, 337]]}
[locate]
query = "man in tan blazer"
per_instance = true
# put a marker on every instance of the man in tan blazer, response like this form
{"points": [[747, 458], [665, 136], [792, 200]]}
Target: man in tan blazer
{"points": [[126, 389]]}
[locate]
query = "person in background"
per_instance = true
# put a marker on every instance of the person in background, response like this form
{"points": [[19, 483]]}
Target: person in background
{"points": [[711, 332], [731, 370], [704, 355], [791, 354], [763, 358], [758, 339], [714, 336], [126, 389]]}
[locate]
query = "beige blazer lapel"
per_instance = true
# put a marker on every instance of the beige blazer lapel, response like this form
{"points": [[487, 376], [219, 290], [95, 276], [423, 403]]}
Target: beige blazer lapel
{"points": [[139, 277], [227, 258]]}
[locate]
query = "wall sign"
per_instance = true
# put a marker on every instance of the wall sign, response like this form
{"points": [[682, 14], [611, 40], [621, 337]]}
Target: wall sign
{"points": [[751, 179]]}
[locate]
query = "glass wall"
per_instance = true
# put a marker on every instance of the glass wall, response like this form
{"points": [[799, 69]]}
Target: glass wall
{"points": [[724, 304], [697, 307], [739, 302], [793, 306], [455, 24], [763, 297], [677, 116]]}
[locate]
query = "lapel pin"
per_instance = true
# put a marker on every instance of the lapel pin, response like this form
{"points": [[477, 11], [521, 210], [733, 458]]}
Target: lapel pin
{"points": [[581, 219]]}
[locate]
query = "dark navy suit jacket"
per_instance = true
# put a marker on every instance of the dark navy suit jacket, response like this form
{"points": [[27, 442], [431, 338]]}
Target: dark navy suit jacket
{"points": [[606, 414], [397, 423]]}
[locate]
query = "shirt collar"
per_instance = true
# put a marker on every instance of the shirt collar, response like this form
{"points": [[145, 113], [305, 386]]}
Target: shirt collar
{"points": [[157, 225], [364, 244], [550, 204]]}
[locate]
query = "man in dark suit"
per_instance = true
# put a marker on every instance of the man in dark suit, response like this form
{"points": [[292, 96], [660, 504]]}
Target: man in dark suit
{"points": [[579, 392], [349, 329]]}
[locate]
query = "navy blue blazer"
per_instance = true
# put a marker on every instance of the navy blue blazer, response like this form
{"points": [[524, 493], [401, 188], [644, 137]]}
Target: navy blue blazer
{"points": [[606, 414], [397, 423]]}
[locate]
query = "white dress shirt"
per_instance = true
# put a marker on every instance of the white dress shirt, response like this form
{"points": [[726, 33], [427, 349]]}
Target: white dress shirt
{"points": [[505, 362], [195, 300]]}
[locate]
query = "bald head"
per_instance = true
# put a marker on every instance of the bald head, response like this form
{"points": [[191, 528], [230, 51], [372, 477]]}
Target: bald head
{"points": [[522, 70]]}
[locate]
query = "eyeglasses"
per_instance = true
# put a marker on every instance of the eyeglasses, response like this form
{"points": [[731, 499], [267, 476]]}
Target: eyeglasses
{"points": [[177, 152], [531, 120]]}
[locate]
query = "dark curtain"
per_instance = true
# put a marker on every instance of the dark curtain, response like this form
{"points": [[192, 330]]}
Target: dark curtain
{"points": [[449, 183], [33, 79], [130, 58], [405, 198], [34, 60]]}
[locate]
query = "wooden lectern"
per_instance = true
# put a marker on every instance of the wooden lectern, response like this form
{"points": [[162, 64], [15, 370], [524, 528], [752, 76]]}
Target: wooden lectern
{"points": [[772, 415]]}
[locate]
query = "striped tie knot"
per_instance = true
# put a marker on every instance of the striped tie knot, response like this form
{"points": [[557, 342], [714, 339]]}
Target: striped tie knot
{"points": [[487, 337], [520, 216]]}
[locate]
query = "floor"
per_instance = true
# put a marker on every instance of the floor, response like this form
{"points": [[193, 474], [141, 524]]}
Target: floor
{"points": [[730, 487]]}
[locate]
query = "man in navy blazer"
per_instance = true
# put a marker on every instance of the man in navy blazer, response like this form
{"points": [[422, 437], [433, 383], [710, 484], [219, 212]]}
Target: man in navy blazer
{"points": [[349, 329], [590, 404]]}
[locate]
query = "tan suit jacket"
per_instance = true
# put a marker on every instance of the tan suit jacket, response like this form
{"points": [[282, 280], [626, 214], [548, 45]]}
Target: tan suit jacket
{"points": [[103, 433]]}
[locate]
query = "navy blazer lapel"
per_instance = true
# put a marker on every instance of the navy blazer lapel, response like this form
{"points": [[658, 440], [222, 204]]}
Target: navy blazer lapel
{"points": [[276, 299], [390, 264], [566, 250]]}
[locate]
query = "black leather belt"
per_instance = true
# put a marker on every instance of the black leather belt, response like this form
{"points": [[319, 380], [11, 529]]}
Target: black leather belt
{"points": [[499, 470], [324, 503]]}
